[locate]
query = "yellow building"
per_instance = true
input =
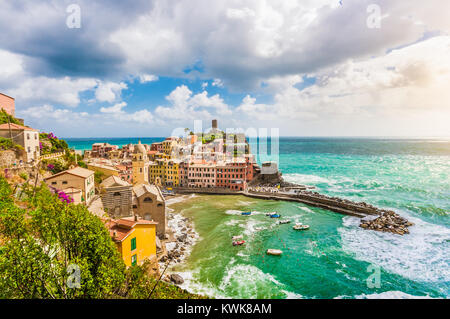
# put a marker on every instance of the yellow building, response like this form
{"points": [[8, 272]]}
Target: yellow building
{"points": [[172, 173], [135, 239], [168, 144], [165, 172], [140, 165], [157, 171]]}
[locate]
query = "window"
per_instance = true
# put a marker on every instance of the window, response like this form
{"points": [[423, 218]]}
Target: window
{"points": [[53, 183], [116, 194], [148, 200], [133, 260], [64, 182], [133, 244]]}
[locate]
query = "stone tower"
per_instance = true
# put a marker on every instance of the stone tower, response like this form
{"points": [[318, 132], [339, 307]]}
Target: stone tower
{"points": [[140, 165]]}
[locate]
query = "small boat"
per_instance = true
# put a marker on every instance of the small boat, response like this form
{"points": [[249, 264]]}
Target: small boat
{"points": [[246, 213], [275, 216], [238, 243], [237, 237], [284, 221], [274, 252], [270, 214], [300, 226]]}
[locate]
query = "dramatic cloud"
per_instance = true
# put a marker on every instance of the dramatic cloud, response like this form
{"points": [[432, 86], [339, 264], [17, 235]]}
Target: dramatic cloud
{"points": [[314, 64]]}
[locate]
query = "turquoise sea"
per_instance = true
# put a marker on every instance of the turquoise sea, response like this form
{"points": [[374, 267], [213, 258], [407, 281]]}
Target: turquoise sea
{"points": [[335, 258]]}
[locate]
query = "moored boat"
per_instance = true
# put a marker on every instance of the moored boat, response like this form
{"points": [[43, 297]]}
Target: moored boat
{"points": [[284, 221], [246, 213], [237, 237], [300, 226], [238, 243], [275, 216], [274, 252], [270, 214]]}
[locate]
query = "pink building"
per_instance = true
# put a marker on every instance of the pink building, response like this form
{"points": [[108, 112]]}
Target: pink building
{"points": [[102, 149], [202, 175], [7, 103]]}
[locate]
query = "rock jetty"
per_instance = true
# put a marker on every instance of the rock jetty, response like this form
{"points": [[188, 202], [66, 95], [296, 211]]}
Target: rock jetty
{"points": [[388, 222]]}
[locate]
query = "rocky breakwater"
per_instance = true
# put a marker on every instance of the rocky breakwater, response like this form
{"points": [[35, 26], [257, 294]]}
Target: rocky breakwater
{"points": [[389, 221]]}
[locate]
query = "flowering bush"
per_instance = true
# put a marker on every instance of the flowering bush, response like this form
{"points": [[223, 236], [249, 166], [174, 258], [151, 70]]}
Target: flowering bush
{"points": [[50, 167], [64, 197], [52, 136]]}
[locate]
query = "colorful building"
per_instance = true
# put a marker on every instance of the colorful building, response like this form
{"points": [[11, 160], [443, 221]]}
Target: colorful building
{"points": [[140, 164], [202, 175], [116, 197], [8, 104], [76, 178], [171, 173], [26, 137], [135, 239], [149, 204]]}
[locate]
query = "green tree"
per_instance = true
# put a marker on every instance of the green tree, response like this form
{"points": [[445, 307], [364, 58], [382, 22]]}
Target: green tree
{"points": [[42, 241]]}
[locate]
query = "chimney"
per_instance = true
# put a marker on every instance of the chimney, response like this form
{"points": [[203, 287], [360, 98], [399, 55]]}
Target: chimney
{"points": [[135, 218], [114, 234]]}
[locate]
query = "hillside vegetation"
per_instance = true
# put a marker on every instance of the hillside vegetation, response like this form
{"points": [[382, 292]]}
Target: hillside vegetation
{"points": [[45, 242]]}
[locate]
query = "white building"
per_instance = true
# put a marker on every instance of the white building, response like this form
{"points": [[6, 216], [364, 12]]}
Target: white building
{"points": [[26, 137]]}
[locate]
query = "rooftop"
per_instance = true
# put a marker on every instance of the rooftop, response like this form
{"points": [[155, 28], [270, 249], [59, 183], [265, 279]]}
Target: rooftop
{"points": [[114, 181], [119, 229], [77, 171], [142, 189], [15, 127]]}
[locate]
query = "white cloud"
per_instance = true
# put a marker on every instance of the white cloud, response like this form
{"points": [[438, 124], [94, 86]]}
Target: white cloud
{"points": [[185, 106], [145, 78], [217, 82], [115, 109], [109, 91], [65, 91]]}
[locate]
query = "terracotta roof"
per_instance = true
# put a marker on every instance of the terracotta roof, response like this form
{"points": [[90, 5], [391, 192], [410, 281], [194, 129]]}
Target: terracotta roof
{"points": [[15, 127], [121, 228]]}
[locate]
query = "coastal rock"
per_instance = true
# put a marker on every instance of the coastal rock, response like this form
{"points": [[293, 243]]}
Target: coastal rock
{"points": [[389, 221], [177, 279]]}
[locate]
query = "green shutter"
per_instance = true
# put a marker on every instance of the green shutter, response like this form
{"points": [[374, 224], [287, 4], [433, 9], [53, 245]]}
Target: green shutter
{"points": [[133, 259], [133, 244]]}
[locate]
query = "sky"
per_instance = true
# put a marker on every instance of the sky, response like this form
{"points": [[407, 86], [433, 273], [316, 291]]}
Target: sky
{"points": [[98, 68]]}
